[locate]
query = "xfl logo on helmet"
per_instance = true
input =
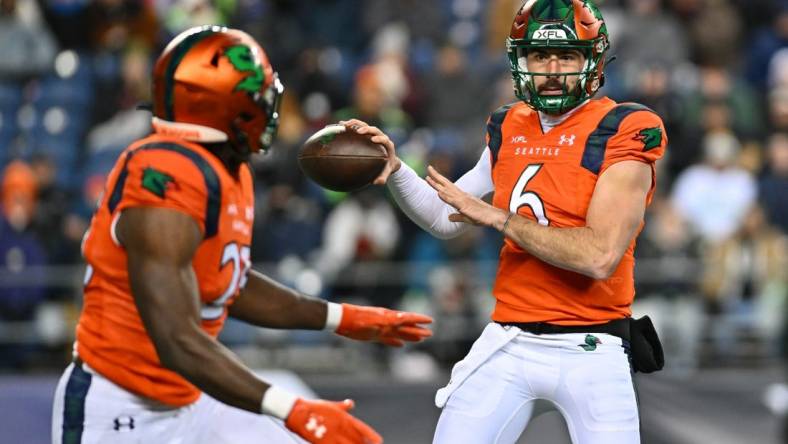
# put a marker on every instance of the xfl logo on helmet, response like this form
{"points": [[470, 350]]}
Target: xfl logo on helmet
{"points": [[549, 34]]}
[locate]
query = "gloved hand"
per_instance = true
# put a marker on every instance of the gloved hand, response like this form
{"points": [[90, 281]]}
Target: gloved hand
{"points": [[389, 327], [327, 422]]}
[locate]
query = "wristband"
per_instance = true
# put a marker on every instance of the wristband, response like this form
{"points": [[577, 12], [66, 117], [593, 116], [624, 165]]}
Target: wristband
{"points": [[333, 316], [277, 402]]}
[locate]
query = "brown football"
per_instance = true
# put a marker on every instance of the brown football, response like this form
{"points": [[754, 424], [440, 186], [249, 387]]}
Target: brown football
{"points": [[340, 159]]}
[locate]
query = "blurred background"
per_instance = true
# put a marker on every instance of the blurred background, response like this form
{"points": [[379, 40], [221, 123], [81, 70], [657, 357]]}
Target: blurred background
{"points": [[711, 267]]}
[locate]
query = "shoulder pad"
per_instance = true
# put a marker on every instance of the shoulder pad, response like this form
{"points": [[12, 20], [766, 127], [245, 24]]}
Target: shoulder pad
{"points": [[494, 124], [212, 183]]}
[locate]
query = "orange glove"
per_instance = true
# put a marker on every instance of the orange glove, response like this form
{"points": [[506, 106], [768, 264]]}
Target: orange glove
{"points": [[390, 327], [326, 422]]}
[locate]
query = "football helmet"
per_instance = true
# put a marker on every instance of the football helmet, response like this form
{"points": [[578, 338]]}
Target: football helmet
{"points": [[214, 84], [567, 24]]}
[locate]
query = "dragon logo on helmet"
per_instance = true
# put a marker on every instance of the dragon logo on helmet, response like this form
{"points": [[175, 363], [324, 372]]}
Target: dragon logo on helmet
{"points": [[243, 60]]}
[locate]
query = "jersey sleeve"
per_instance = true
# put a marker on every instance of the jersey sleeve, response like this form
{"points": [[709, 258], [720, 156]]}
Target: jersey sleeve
{"points": [[641, 137], [163, 179]]}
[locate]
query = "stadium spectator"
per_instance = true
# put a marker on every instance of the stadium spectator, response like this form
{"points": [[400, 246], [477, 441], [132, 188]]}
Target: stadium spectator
{"points": [[773, 185], [450, 111], [371, 103], [52, 217], [668, 253], [745, 284], [120, 120], [117, 25], [714, 196], [647, 38], [766, 42], [22, 258], [288, 224], [778, 69], [778, 108], [362, 228], [424, 20], [715, 33], [718, 85], [26, 44]]}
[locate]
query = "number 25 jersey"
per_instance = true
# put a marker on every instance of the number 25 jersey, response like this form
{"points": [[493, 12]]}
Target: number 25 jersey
{"points": [[162, 172], [550, 179]]}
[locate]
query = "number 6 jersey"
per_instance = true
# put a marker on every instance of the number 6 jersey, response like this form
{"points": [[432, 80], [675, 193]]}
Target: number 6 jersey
{"points": [[550, 178], [166, 173]]}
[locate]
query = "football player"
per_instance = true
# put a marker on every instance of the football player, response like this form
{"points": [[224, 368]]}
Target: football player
{"points": [[571, 177], [168, 261]]}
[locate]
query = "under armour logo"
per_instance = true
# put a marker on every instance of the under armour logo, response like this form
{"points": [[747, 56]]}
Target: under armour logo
{"points": [[567, 140], [124, 421], [319, 430]]}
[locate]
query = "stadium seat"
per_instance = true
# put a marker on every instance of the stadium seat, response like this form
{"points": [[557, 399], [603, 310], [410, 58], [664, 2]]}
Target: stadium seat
{"points": [[73, 93], [10, 95]]}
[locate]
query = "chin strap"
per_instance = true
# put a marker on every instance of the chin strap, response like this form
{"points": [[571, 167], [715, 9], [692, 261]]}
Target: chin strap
{"points": [[188, 131]]}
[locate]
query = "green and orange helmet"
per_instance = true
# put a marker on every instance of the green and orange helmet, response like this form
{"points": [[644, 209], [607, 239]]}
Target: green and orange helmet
{"points": [[562, 24], [213, 84]]}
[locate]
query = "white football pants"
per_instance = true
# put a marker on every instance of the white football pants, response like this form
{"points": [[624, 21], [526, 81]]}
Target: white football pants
{"points": [[95, 410], [492, 392]]}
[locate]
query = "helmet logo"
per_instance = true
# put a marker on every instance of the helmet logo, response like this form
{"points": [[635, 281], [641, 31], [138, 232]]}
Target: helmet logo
{"points": [[241, 58], [549, 34], [553, 32]]}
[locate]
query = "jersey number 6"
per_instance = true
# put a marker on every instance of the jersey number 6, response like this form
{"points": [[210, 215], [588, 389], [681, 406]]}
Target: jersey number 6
{"points": [[521, 197]]}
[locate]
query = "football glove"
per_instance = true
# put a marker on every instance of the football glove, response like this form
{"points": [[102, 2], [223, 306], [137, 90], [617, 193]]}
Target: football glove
{"points": [[386, 326], [327, 422]]}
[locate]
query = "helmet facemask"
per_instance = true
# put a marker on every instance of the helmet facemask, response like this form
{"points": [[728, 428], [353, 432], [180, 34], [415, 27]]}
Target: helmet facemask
{"points": [[272, 100], [264, 127]]}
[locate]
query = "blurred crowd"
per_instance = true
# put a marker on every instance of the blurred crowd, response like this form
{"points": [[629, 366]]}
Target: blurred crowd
{"points": [[713, 253]]}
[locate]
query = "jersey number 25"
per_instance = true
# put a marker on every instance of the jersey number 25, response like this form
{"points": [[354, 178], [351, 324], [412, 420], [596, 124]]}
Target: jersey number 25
{"points": [[238, 255]]}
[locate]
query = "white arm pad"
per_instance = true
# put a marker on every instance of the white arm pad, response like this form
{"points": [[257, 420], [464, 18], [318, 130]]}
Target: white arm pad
{"points": [[420, 202]]}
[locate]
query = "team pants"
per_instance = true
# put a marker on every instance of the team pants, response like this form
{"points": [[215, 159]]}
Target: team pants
{"points": [[492, 392], [89, 409]]}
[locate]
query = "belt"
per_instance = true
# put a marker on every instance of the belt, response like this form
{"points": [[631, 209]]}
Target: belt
{"points": [[617, 327]]}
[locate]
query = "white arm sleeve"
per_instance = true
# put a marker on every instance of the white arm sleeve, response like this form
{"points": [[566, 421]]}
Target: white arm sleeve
{"points": [[420, 202]]}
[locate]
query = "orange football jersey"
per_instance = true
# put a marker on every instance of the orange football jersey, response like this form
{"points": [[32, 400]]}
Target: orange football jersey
{"points": [[162, 172], [550, 178]]}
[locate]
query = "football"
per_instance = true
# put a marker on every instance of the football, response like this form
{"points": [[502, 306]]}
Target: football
{"points": [[341, 160]]}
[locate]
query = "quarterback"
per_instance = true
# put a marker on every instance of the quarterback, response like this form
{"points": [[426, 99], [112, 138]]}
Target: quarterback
{"points": [[571, 177], [168, 261]]}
